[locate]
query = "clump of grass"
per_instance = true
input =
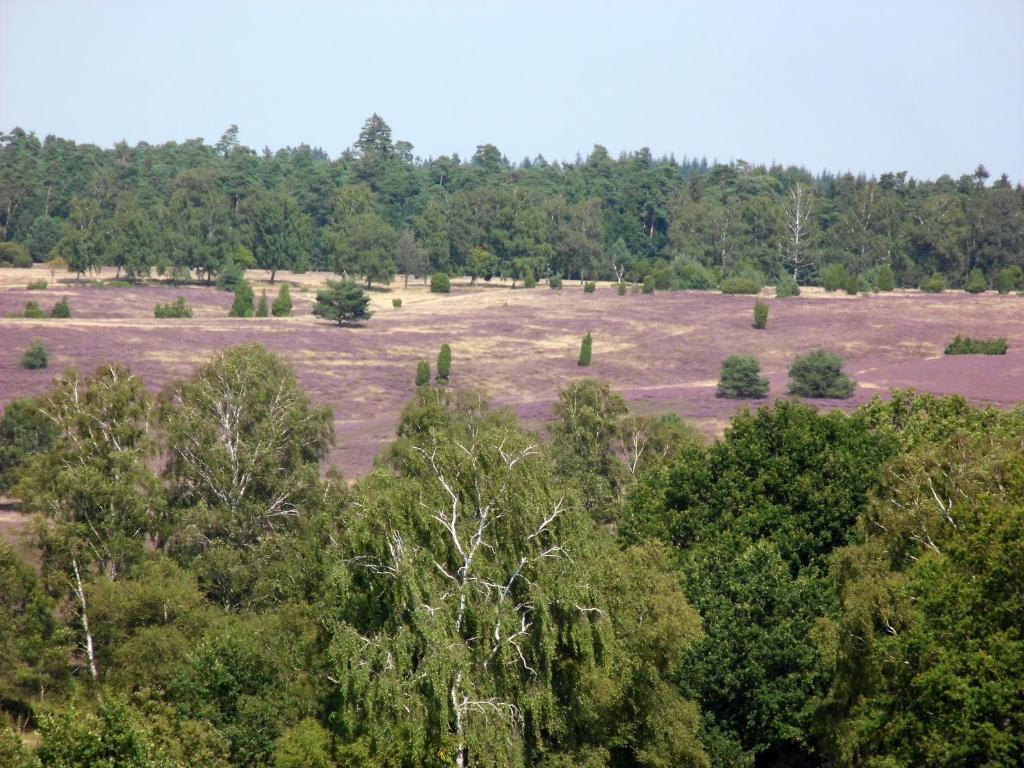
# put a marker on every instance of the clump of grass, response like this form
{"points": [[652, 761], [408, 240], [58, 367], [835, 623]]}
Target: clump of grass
{"points": [[963, 345]]}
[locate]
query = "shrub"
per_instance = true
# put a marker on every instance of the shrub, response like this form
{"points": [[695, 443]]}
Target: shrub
{"points": [[884, 281], [819, 374], [61, 310], [589, 287], [242, 305], [176, 309], [967, 346], [747, 284], [396, 303], [834, 277], [244, 258], [37, 285], [786, 287], [440, 283], [663, 279], [529, 279], [343, 302], [422, 373], [853, 285], [692, 275], [622, 288], [16, 255], [282, 306], [976, 282], [741, 377], [36, 356], [1009, 279], [934, 284], [648, 284], [262, 310], [760, 314], [230, 275], [34, 311], [555, 282], [444, 364], [585, 350]]}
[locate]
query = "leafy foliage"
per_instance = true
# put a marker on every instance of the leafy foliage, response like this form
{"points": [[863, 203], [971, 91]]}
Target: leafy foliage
{"points": [[586, 347], [342, 302], [444, 363], [961, 345], [819, 373], [760, 314], [61, 310], [440, 283], [741, 377], [282, 306], [242, 306], [178, 308], [36, 356]]}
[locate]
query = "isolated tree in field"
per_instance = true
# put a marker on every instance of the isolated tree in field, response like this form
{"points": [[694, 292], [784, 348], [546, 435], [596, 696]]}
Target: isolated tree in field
{"points": [[282, 306], [410, 257], [36, 356], [422, 373], [61, 310], [440, 283], [741, 377], [585, 350], [819, 374], [280, 231], [760, 314], [342, 302], [242, 306], [444, 364]]}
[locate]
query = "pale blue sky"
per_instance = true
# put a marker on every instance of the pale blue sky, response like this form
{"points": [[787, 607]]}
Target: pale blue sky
{"points": [[931, 87]]}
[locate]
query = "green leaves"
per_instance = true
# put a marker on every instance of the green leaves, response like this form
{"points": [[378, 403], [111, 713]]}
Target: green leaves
{"points": [[342, 302]]}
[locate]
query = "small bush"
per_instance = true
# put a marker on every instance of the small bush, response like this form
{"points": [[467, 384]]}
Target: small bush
{"points": [[396, 303], [786, 287], [262, 309], [282, 306], [976, 282], [649, 285], [585, 350], [36, 356], [819, 374], [884, 282], [230, 274], [37, 285], [853, 285], [176, 309], [555, 282], [693, 276], [967, 346], [934, 284], [529, 279], [242, 305], [760, 314], [1009, 279], [444, 364], [745, 284], [16, 255], [589, 287], [61, 310], [440, 283], [741, 377], [422, 373], [34, 311], [663, 279], [834, 277], [622, 288]]}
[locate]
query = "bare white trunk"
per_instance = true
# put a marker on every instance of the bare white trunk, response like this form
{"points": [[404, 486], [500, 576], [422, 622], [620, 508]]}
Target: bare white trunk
{"points": [[84, 618]]}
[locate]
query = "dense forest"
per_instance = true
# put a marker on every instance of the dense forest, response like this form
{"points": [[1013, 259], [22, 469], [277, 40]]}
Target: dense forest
{"points": [[186, 209], [198, 589]]}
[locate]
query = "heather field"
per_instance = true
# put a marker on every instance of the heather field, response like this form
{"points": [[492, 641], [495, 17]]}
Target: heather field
{"points": [[662, 351]]}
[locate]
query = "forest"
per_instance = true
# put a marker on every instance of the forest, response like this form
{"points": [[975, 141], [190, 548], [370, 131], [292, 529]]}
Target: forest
{"points": [[189, 209], [199, 589]]}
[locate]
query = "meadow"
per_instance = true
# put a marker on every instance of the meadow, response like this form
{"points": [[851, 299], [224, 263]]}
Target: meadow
{"points": [[662, 352]]}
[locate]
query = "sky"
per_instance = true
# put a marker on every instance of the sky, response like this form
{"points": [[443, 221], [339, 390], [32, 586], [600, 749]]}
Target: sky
{"points": [[929, 87]]}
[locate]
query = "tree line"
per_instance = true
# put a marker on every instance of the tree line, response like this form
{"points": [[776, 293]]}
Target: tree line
{"points": [[377, 210], [814, 589]]}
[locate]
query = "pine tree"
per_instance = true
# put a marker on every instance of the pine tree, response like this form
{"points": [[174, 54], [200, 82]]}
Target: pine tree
{"points": [[282, 306], [242, 306], [261, 308], [585, 349], [444, 364]]}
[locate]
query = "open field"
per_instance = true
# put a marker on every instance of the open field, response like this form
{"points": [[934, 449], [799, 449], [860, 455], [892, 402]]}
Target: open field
{"points": [[662, 351]]}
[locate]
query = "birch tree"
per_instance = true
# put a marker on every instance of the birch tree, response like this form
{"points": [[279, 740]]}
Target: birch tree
{"points": [[798, 222]]}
